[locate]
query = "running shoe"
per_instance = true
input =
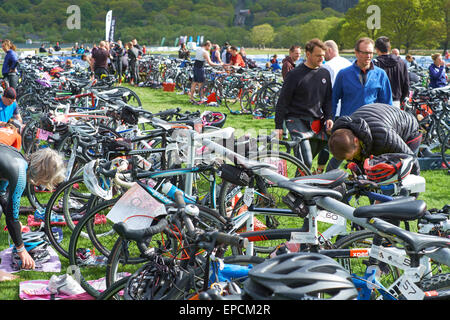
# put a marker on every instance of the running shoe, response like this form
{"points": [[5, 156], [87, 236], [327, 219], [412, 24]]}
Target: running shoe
{"points": [[64, 284]]}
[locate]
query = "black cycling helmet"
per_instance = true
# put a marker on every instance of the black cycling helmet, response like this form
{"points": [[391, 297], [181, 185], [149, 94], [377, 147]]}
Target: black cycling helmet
{"points": [[153, 281], [299, 276]]}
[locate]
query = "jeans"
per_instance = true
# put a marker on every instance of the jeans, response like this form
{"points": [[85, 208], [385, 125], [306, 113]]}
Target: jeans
{"points": [[309, 148], [13, 79]]}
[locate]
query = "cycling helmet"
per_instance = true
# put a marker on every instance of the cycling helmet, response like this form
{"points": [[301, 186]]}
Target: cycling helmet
{"points": [[150, 282], [36, 244], [299, 276], [388, 168], [215, 119], [34, 240], [96, 183]]}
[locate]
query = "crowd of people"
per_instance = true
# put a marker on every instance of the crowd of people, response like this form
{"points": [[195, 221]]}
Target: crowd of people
{"points": [[354, 109], [107, 57]]}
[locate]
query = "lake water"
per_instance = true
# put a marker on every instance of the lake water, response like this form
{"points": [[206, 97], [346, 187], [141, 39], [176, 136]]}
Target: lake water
{"points": [[262, 59]]}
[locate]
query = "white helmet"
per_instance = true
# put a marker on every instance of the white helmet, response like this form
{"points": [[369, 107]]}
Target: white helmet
{"points": [[97, 184]]}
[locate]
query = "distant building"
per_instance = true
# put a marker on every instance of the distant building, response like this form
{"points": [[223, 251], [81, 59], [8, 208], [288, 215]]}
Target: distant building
{"points": [[240, 16], [339, 5]]}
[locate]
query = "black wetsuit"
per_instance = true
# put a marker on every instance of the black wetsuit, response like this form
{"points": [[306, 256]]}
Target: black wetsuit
{"points": [[13, 174]]}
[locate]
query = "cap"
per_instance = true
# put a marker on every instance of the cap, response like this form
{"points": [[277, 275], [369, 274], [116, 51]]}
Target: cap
{"points": [[10, 93]]}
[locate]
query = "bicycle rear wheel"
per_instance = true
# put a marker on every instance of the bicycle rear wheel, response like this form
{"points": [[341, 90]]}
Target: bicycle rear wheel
{"points": [[358, 264], [230, 200], [437, 287]]}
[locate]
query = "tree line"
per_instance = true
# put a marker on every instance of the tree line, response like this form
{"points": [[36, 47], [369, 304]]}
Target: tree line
{"points": [[410, 24]]}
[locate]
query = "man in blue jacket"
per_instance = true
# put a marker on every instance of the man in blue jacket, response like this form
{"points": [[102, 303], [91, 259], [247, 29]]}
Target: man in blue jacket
{"points": [[437, 73], [362, 83], [359, 84]]}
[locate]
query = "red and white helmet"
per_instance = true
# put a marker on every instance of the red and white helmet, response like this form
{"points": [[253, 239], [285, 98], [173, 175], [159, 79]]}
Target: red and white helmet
{"points": [[388, 168]]}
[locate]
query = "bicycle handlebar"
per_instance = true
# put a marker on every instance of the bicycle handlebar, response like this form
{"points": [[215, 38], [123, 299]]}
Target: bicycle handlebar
{"points": [[139, 235], [228, 239]]}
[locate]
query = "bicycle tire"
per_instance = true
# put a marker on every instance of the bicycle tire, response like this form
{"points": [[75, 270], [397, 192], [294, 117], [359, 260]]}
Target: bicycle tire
{"points": [[62, 200], [113, 291], [92, 242], [231, 196], [437, 287], [132, 98]]}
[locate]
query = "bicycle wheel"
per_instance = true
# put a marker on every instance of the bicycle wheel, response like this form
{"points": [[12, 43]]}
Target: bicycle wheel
{"points": [[88, 254], [266, 195], [437, 287], [130, 97], [357, 265], [247, 101], [66, 206], [232, 98], [114, 292], [125, 256], [30, 108]]}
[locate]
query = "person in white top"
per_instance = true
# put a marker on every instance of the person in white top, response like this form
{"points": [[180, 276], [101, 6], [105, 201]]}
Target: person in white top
{"points": [[333, 63], [202, 55]]}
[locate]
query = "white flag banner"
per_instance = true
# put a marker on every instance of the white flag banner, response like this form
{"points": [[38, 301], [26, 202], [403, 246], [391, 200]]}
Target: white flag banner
{"points": [[108, 24]]}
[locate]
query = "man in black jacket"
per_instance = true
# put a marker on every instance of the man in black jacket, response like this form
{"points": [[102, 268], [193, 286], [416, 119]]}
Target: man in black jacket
{"points": [[396, 69], [375, 129], [305, 103]]}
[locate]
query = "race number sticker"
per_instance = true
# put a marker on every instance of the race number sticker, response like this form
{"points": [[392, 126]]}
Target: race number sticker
{"points": [[137, 208], [329, 217], [410, 290], [303, 237]]}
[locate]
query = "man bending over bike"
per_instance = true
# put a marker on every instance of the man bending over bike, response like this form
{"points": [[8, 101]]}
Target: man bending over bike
{"points": [[375, 129]]}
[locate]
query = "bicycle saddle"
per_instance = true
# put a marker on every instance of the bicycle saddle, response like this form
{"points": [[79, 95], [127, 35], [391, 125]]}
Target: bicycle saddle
{"points": [[415, 241], [401, 209], [307, 192], [329, 179]]}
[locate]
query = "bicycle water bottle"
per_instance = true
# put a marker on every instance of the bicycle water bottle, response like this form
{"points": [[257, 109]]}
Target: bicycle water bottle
{"points": [[169, 189]]}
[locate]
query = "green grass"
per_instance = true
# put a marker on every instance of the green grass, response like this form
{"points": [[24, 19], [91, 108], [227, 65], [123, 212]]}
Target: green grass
{"points": [[436, 194]]}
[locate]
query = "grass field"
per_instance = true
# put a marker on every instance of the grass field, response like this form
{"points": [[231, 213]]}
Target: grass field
{"points": [[155, 100]]}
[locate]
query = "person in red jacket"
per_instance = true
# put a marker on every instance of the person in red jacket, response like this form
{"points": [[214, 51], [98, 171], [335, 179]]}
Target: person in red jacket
{"points": [[236, 58]]}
